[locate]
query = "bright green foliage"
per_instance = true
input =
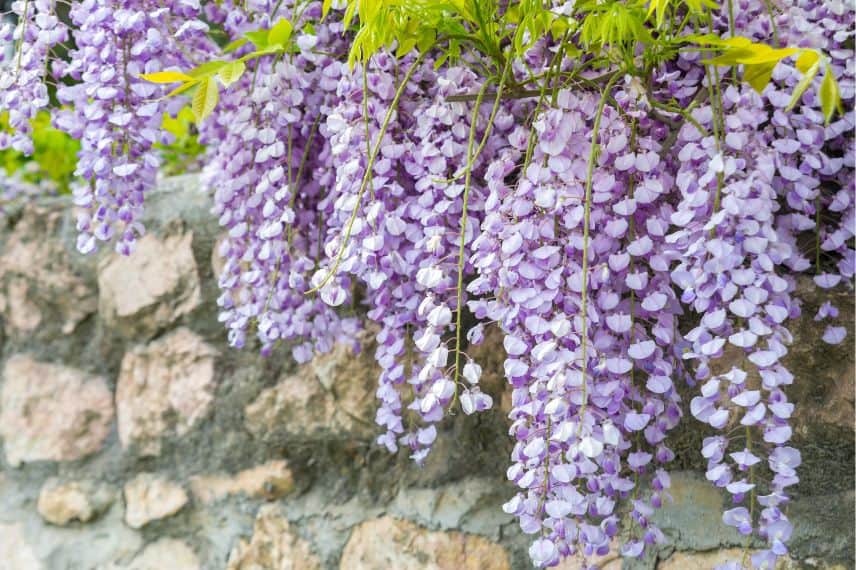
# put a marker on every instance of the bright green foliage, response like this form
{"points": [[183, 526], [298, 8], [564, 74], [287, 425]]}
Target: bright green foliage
{"points": [[759, 60], [404, 24], [54, 158], [203, 82], [615, 25], [631, 37]]}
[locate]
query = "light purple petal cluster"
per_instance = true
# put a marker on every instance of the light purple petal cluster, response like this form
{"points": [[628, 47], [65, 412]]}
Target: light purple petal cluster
{"points": [[24, 70], [116, 114]]}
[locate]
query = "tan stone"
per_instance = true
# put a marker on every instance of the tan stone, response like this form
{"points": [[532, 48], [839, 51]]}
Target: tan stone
{"points": [[164, 388], [150, 497], [823, 390], [23, 315], [709, 560], [166, 553], [15, 551], [332, 394], [151, 288], [270, 480], [392, 543], [62, 502], [274, 545], [52, 412], [36, 275]]}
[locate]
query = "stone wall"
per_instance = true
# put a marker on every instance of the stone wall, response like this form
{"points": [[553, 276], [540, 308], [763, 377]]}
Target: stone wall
{"points": [[134, 438]]}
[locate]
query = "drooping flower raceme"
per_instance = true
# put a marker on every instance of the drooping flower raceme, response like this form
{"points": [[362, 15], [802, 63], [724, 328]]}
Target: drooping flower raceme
{"points": [[116, 114], [25, 69]]}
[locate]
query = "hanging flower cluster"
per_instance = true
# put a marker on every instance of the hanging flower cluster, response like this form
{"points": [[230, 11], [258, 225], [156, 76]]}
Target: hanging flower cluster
{"points": [[624, 220], [117, 115], [24, 70]]}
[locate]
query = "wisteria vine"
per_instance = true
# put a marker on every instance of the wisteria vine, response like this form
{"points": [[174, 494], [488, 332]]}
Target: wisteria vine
{"points": [[627, 190]]}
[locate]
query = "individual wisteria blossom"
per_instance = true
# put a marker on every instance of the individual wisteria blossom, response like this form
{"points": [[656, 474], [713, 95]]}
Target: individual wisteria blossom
{"points": [[630, 240]]}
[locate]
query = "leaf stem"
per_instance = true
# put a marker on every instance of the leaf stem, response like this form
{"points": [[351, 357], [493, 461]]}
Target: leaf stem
{"points": [[471, 158], [586, 222], [393, 106]]}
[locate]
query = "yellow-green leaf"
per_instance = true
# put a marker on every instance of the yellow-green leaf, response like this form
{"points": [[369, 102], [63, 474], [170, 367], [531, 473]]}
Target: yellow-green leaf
{"points": [[207, 69], [205, 99], [232, 46], [231, 72], [699, 5], [325, 8], [660, 7], [830, 96], [262, 52], [181, 88], [280, 33], [806, 60], [558, 27], [765, 54], [426, 39], [349, 14], [758, 75], [259, 38], [714, 40], [806, 80], [733, 56], [404, 46], [166, 77]]}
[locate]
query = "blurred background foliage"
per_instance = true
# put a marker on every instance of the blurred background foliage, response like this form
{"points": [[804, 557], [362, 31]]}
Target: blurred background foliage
{"points": [[53, 161]]}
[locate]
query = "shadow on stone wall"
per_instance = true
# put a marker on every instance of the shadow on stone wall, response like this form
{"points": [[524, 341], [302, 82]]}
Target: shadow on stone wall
{"points": [[134, 438]]}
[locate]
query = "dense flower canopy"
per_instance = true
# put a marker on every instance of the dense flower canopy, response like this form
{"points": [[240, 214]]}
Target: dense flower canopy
{"points": [[626, 203]]}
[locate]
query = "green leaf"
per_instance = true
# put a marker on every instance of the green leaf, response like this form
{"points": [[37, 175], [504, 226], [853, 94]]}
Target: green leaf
{"points": [[714, 40], [659, 6], [280, 33], [205, 99], [729, 57], [751, 55], [405, 45], [349, 14], [806, 60], [806, 80], [558, 27], [325, 8], [262, 52], [830, 96], [231, 72], [232, 46], [698, 6], [426, 39], [259, 38], [758, 75], [765, 54], [166, 77], [207, 69], [181, 89]]}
